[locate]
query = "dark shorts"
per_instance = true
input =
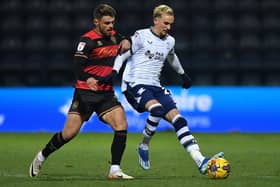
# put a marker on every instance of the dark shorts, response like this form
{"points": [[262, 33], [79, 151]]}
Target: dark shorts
{"points": [[85, 102], [139, 95]]}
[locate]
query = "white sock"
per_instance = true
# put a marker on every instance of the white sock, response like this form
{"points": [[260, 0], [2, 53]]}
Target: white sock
{"points": [[114, 168], [41, 157], [197, 157]]}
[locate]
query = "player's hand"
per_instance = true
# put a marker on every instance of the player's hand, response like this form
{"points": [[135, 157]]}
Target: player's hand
{"points": [[92, 83], [124, 46], [187, 82], [109, 79]]}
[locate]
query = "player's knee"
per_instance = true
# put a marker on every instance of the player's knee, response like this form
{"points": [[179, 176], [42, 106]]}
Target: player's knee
{"points": [[157, 110], [69, 134], [117, 124], [120, 126], [179, 123]]}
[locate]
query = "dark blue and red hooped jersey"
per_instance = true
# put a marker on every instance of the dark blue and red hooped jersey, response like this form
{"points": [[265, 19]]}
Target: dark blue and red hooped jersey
{"points": [[94, 57]]}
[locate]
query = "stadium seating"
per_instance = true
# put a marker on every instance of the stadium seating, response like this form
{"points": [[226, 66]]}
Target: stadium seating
{"points": [[226, 78], [249, 6], [220, 42], [36, 24], [11, 6], [11, 24], [35, 6]]}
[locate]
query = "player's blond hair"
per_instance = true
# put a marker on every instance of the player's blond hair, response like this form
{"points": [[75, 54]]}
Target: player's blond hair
{"points": [[162, 9]]}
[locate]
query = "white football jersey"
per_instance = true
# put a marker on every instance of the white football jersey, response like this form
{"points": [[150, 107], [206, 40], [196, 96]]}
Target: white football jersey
{"points": [[149, 52]]}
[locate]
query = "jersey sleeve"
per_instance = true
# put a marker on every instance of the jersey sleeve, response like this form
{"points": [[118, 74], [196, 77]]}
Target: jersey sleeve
{"points": [[84, 47], [172, 51], [136, 42], [173, 60]]}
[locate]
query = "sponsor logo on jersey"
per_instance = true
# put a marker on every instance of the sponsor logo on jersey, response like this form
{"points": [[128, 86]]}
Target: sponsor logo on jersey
{"points": [[156, 56], [81, 46], [75, 105]]}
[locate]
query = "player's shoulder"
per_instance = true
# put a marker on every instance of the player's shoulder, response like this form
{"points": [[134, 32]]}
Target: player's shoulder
{"points": [[142, 31], [88, 37], [87, 40], [171, 39], [145, 30], [92, 35]]}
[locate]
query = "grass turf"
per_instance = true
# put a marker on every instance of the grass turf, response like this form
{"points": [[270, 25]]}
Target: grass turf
{"points": [[254, 159]]}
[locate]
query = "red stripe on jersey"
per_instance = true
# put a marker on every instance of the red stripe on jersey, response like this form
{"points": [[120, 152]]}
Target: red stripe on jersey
{"points": [[98, 70], [100, 87], [105, 52], [94, 35]]}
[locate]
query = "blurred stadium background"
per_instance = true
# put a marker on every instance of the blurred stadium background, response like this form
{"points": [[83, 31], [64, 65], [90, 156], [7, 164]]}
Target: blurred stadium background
{"points": [[220, 42], [231, 49]]}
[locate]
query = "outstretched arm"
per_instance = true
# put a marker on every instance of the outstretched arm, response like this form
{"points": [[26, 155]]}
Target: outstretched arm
{"points": [[173, 60], [116, 68], [120, 59]]}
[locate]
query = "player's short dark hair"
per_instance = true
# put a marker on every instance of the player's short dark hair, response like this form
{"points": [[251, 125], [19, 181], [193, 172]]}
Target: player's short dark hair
{"points": [[104, 10]]}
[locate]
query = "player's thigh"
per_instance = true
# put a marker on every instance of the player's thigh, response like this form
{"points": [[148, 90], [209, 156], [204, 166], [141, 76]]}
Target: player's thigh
{"points": [[165, 99], [140, 97], [81, 104], [111, 112], [116, 118]]}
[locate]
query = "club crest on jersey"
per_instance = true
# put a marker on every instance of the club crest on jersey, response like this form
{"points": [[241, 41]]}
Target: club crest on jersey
{"points": [[113, 39], [75, 105], [81, 46], [99, 43]]}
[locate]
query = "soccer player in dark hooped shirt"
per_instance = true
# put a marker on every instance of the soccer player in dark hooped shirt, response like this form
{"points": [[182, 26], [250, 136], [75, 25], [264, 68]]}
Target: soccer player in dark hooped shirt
{"points": [[94, 59]]}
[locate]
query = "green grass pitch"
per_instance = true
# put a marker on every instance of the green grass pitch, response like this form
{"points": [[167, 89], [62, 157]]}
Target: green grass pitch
{"points": [[254, 159]]}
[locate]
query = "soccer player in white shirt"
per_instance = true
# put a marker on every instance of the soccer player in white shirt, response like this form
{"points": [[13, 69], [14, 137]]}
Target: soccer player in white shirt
{"points": [[150, 49]]}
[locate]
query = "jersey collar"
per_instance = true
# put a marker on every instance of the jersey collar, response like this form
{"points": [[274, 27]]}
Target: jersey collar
{"points": [[162, 38]]}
